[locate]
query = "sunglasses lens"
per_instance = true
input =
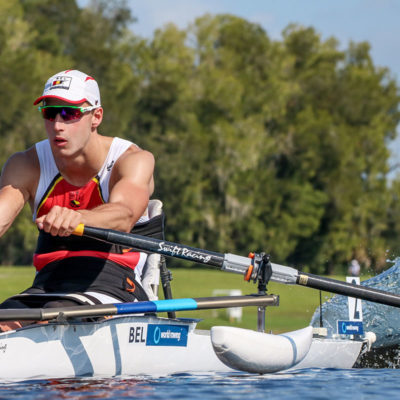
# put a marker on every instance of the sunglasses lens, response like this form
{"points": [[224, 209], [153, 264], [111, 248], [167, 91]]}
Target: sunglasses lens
{"points": [[66, 113], [69, 114], [49, 113]]}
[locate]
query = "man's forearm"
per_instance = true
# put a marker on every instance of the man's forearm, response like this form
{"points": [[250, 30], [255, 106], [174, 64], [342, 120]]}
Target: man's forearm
{"points": [[111, 216]]}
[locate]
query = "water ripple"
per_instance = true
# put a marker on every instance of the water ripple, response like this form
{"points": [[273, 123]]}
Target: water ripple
{"points": [[307, 383]]}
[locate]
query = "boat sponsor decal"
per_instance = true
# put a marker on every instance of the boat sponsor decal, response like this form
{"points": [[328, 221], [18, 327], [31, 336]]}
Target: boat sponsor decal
{"points": [[350, 328], [167, 335], [173, 251], [137, 334], [3, 347]]}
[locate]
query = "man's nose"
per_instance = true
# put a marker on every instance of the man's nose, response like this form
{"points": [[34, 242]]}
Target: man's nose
{"points": [[58, 121]]}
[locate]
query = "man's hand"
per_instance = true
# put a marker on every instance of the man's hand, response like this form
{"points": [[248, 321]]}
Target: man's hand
{"points": [[60, 221]]}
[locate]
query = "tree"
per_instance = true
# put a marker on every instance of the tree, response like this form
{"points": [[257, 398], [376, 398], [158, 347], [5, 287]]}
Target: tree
{"points": [[260, 144]]}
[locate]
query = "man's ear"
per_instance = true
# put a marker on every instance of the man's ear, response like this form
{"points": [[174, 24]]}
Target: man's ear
{"points": [[97, 117]]}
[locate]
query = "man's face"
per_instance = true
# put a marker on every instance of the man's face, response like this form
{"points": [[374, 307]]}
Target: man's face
{"points": [[68, 138]]}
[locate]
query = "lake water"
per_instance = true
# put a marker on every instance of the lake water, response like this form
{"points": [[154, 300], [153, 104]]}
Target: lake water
{"points": [[352, 384]]}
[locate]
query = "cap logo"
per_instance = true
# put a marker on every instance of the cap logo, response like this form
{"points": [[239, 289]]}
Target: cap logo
{"points": [[61, 82]]}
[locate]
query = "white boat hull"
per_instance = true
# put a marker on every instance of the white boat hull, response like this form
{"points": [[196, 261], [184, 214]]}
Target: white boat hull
{"points": [[331, 353], [118, 346], [126, 346]]}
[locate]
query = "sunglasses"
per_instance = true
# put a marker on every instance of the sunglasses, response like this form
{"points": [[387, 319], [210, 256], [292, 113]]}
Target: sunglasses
{"points": [[67, 113]]}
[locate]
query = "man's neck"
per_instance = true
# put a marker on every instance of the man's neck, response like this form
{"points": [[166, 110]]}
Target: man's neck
{"points": [[83, 166]]}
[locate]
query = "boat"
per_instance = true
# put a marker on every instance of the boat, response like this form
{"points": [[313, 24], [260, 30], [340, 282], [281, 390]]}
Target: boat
{"points": [[77, 341], [130, 345], [334, 352], [130, 339]]}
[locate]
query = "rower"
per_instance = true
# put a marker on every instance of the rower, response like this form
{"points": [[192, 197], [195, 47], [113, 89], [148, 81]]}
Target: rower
{"points": [[77, 176]]}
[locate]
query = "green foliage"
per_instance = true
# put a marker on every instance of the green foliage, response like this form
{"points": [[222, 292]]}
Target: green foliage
{"points": [[260, 145]]}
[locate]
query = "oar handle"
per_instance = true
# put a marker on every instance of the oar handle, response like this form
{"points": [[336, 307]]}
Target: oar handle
{"points": [[79, 230]]}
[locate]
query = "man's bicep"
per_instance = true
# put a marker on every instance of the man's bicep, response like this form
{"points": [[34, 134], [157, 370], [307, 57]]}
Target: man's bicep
{"points": [[12, 201], [138, 168], [16, 178], [131, 194], [134, 185]]}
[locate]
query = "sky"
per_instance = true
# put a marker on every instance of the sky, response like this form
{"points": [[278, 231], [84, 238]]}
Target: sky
{"points": [[375, 21]]}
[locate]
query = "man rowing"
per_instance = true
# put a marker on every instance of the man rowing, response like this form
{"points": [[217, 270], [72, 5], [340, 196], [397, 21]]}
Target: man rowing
{"points": [[77, 176]]}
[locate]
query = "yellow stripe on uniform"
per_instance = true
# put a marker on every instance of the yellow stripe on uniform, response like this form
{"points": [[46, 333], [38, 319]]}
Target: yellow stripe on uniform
{"points": [[56, 182], [96, 180]]}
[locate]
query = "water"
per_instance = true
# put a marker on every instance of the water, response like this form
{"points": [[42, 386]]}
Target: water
{"points": [[329, 384]]}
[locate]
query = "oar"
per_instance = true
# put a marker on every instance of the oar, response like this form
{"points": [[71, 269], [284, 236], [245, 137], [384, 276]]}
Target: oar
{"points": [[237, 264], [99, 310]]}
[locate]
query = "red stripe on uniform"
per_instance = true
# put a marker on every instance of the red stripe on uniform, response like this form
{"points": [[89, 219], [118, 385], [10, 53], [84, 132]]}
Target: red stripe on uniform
{"points": [[129, 259]]}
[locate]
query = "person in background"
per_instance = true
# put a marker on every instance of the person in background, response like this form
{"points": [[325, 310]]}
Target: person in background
{"points": [[354, 268], [77, 176]]}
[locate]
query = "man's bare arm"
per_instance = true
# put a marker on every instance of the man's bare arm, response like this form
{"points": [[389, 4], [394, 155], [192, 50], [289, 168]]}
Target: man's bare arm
{"points": [[131, 186], [18, 176]]}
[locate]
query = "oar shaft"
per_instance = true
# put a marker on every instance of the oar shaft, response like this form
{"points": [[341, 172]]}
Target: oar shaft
{"points": [[99, 310], [206, 303], [347, 289], [227, 262], [240, 265], [156, 246]]}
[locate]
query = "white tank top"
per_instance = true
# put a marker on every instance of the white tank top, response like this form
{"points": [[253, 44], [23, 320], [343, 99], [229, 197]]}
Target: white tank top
{"points": [[49, 170]]}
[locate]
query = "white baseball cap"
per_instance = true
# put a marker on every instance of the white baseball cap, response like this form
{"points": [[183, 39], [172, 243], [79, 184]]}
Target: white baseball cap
{"points": [[71, 86]]}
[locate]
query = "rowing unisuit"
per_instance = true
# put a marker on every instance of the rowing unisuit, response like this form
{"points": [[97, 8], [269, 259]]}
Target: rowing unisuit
{"points": [[66, 264]]}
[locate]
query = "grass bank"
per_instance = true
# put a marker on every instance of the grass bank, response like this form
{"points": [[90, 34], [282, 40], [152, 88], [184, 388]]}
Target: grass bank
{"points": [[297, 304], [14, 280]]}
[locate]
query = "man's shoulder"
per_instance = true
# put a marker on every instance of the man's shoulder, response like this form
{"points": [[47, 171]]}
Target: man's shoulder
{"points": [[131, 150], [20, 174], [26, 158], [22, 165], [137, 155], [134, 162]]}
